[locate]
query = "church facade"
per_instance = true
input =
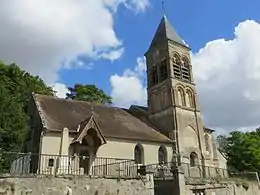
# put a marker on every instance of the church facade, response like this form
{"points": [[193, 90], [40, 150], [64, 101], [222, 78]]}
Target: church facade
{"points": [[169, 129]]}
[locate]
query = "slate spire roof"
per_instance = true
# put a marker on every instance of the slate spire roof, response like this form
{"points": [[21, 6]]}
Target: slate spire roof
{"points": [[166, 31]]}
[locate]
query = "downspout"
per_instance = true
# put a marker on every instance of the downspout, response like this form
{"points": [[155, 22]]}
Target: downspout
{"points": [[197, 126]]}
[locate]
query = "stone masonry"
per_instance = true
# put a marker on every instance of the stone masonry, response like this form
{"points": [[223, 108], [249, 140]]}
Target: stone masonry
{"points": [[98, 186], [75, 186]]}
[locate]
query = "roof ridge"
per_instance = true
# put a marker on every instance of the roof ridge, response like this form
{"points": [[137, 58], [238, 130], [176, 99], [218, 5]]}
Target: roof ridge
{"points": [[71, 100]]}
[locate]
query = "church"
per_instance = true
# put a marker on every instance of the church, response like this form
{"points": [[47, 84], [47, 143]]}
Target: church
{"points": [[169, 129]]}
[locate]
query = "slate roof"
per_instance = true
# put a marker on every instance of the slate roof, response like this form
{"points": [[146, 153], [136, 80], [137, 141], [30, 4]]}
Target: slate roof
{"points": [[142, 113], [166, 31], [57, 113]]}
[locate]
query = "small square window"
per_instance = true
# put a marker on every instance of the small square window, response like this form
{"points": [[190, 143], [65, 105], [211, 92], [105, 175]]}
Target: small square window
{"points": [[51, 162]]}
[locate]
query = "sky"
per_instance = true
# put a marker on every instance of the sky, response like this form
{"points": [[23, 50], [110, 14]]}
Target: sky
{"points": [[102, 42]]}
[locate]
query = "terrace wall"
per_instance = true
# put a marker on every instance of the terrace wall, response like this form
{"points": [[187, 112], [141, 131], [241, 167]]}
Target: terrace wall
{"points": [[75, 186]]}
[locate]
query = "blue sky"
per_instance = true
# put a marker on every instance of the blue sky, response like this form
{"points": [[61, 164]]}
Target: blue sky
{"points": [[196, 21], [67, 42]]}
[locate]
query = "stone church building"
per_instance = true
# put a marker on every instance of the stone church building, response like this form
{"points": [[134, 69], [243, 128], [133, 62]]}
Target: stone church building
{"points": [[169, 129]]}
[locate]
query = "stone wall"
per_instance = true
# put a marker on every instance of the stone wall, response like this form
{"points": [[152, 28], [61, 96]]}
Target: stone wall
{"points": [[75, 186], [223, 189], [235, 190]]}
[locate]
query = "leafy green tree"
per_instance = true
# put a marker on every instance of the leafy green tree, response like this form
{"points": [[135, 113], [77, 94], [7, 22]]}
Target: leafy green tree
{"points": [[222, 143], [242, 150], [88, 93], [13, 127], [21, 84], [16, 87]]}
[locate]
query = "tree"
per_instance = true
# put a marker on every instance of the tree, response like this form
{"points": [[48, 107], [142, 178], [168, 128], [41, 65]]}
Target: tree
{"points": [[13, 127], [16, 87], [242, 150], [88, 93], [12, 121], [21, 84], [222, 143]]}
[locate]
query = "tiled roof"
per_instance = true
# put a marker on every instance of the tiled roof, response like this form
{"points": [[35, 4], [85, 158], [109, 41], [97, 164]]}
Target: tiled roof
{"points": [[141, 112], [57, 113]]}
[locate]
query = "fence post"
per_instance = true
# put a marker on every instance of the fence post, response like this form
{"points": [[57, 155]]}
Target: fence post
{"points": [[150, 171], [257, 178], [179, 181]]}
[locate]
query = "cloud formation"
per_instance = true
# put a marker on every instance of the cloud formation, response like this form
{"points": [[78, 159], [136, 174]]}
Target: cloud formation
{"points": [[39, 35], [227, 74], [60, 89], [130, 87]]}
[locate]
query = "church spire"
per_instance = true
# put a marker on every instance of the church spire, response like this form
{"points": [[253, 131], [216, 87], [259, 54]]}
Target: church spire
{"points": [[165, 32]]}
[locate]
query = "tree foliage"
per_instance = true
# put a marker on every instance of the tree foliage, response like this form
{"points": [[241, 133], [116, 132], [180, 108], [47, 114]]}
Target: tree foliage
{"points": [[16, 87], [88, 93], [242, 150], [21, 84]]}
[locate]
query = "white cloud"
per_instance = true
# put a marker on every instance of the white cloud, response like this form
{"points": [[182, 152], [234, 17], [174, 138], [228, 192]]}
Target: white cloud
{"points": [[227, 74], [139, 5], [39, 35], [130, 87], [112, 55], [60, 89]]}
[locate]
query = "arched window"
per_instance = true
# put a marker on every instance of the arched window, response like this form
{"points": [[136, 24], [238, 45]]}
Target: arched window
{"points": [[181, 97], [154, 74], [176, 66], [185, 69], [162, 155], [193, 159], [139, 154], [190, 99], [207, 144], [163, 70]]}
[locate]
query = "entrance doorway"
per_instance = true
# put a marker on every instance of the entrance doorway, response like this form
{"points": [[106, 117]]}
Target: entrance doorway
{"points": [[84, 161]]}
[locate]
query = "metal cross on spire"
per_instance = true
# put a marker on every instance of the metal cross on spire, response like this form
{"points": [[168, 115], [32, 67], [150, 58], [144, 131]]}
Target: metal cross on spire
{"points": [[163, 10]]}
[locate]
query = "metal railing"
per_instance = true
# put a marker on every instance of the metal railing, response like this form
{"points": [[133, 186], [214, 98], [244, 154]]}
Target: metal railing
{"points": [[199, 171], [22, 164], [162, 171], [249, 176], [166, 171]]}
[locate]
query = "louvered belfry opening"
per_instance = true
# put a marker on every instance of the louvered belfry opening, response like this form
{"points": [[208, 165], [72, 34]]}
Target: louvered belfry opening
{"points": [[181, 68], [185, 70], [177, 67]]}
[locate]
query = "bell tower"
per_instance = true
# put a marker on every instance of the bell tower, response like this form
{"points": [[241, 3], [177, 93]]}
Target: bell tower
{"points": [[172, 97]]}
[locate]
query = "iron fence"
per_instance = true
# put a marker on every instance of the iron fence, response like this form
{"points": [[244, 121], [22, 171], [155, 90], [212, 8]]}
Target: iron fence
{"points": [[249, 176], [162, 171], [23, 164], [199, 171], [166, 171]]}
